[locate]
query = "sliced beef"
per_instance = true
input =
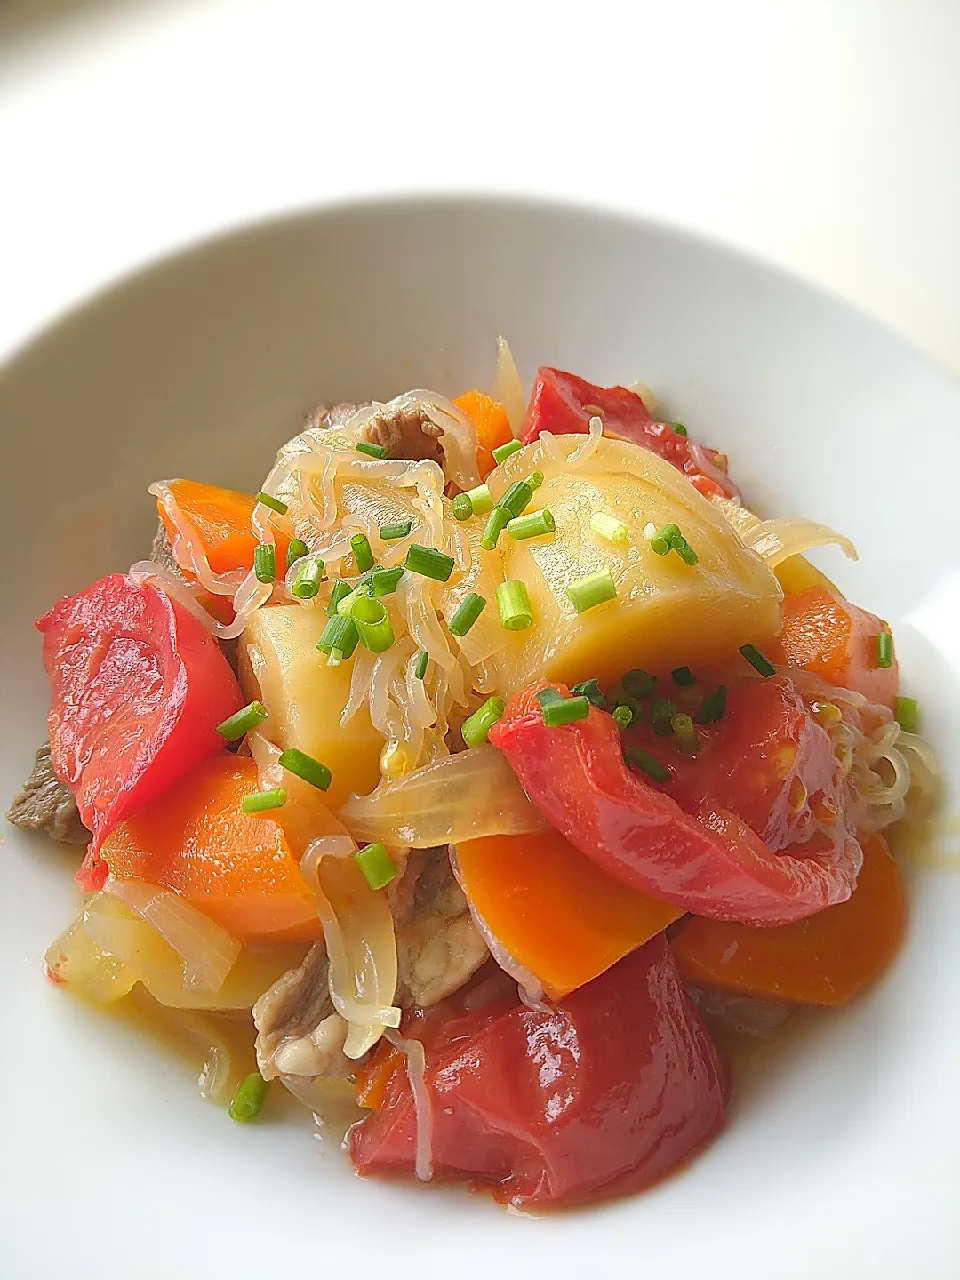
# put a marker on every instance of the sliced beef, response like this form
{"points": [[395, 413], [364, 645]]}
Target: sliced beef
{"points": [[406, 433], [44, 803], [331, 415], [299, 1033]]}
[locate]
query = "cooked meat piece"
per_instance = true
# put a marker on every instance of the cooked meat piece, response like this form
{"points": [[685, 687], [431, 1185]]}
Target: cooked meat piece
{"points": [[44, 803], [438, 946], [406, 433], [299, 1033], [161, 552], [331, 415]]}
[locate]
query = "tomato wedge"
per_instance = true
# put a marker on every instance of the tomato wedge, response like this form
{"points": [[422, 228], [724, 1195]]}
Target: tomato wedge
{"points": [[139, 685]]}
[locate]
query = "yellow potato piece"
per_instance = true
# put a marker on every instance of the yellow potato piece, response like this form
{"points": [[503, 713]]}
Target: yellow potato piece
{"points": [[666, 613], [279, 664]]}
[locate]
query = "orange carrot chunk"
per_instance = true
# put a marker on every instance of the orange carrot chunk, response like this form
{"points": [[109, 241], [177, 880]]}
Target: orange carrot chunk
{"points": [[235, 867], [374, 1076], [826, 959], [553, 910], [493, 426], [221, 519]]}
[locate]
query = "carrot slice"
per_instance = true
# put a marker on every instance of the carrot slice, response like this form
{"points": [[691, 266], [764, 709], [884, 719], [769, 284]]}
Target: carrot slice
{"points": [[374, 1076], [235, 867], [823, 960], [221, 518], [493, 426], [553, 910]]}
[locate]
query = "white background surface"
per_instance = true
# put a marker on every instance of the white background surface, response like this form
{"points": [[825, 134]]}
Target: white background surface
{"points": [[821, 135]]}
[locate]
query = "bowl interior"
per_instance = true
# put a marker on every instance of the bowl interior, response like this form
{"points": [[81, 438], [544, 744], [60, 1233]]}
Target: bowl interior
{"points": [[201, 366]]}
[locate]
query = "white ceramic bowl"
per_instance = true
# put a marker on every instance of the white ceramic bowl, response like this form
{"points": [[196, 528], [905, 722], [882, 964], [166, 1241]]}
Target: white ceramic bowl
{"points": [[840, 1157]]}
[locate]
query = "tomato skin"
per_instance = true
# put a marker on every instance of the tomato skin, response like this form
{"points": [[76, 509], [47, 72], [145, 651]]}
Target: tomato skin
{"points": [[708, 860], [138, 686], [602, 1094], [563, 404]]}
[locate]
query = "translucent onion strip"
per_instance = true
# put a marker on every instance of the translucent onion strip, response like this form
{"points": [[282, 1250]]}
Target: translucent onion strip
{"points": [[507, 388], [776, 540], [416, 1058]]}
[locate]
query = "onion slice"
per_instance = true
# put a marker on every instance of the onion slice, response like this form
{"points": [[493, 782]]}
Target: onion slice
{"points": [[776, 540], [507, 388]]}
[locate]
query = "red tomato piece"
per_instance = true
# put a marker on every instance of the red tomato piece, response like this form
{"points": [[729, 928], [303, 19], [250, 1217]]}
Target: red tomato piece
{"points": [[602, 1094], [707, 859], [139, 685], [564, 404]]}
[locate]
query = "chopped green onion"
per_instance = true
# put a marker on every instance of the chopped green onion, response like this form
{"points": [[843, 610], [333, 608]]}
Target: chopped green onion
{"points": [[481, 500], [242, 721], [420, 670], [686, 552], [462, 507], [468, 611], [640, 683], [590, 689], [757, 660], [475, 728], [260, 801], [370, 449], [663, 541], [683, 677], [558, 710], [662, 711], [296, 550], [609, 527], [384, 582], [429, 562], [373, 624], [265, 562], [248, 1099], [306, 582], [907, 712], [505, 450], [620, 698], [650, 765], [340, 638], [514, 605], [497, 521], [516, 499], [393, 532], [591, 590], [713, 706], [268, 500], [885, 649], [679, 428], [349, 602], [362, 551], [535, 479], [623, 715], [377, 866], [305, 767], [532, 525], [685, 735], [340, 592]]}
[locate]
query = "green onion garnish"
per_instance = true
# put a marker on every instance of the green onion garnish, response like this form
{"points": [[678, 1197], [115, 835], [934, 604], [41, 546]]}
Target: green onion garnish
{"points": [[242, 721], [532, 525], [371, 450], [662, 711], [685, 551], [248, 1099], [516, 499], [650, 765], [505, 450], [662, 542], [535, 479], [595, 588], [907, 712], [475, 728], [468, 611], [348, 602], [590, 689], [620, 698], [713, 706], [558, 710], [757, 660], [683, 677], [420, 670], [639, 683], [340, 591], [265, 562], [306, 582], [260, 801], [340, 638], [296, 550], [609, 527], [393, 532], [373, 624], [514, 605], [362, 551], [429, 562], [268, 500], [376, 864], [384, 582], [305, 767], [623, 715], [885, 649], [497, 521], [462, 507], [679, 428], [481, 500], [684, 734]]}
